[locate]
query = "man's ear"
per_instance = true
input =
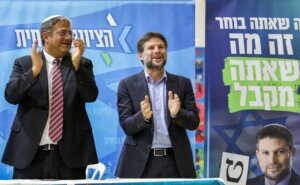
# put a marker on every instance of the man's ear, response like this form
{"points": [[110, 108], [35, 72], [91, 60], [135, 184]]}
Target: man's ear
{"points": [[45, 36], [294, 151], [140, 55], [257, 153]]}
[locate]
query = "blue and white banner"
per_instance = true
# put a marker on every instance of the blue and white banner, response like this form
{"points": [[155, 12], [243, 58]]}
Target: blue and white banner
{"points": [[110, 30], [252, 76]]}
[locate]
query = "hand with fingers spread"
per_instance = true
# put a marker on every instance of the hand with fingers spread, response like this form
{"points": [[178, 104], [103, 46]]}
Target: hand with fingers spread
{"points": [[37, 62], [77, 52], [173, 103], [146, 108]]}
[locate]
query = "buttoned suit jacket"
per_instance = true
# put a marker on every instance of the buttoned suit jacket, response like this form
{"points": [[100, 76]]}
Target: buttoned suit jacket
{"points": [[260, 180], [139, 133], [76, 147]]}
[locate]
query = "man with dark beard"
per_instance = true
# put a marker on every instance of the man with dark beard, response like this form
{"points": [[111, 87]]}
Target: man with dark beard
{"points": [[155, 109], [275, 151]]}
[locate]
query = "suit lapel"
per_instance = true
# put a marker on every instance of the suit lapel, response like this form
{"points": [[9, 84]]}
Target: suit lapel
{"points": [[66, 65], [142, 86], [171, 86], [43, 78]]}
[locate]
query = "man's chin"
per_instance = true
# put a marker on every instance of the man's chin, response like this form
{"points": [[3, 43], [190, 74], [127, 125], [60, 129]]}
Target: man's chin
{"points": [[66, 49], [271, 177], [159, 65], [154, 66], [63, 53], [275, 176]]}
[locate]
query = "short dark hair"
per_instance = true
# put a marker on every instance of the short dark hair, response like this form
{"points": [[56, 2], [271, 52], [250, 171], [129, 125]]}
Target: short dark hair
{"points": [[276, 131], [47, 26], [147, 37]]}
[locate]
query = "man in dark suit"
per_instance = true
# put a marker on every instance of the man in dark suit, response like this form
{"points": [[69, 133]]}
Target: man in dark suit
{"points": [[31, 149], [275, 151], [155, 109]]}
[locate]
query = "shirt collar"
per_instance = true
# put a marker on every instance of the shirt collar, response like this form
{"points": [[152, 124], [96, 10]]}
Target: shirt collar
{"points": [[49, 58], [149, 79]]}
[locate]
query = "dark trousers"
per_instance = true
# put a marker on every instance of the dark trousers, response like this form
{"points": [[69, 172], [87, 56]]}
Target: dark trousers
{"points": [[161, 167], [48, 165]]}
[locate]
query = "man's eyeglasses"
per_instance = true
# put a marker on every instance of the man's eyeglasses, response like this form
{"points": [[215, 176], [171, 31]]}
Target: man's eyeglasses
{"points": [[66, 34]]}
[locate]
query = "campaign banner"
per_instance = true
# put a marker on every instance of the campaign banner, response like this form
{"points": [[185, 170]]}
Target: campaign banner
{"points": [[252, 76], [110, 30]]}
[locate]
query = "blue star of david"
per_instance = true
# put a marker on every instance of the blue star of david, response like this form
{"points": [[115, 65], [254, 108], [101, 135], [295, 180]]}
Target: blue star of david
{"points": [[244, 122]]}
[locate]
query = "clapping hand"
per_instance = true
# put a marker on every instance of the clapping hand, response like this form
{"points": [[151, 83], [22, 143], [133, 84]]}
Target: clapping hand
{"points": [[77, 52], [173, 103], [146, 108], [37, 62]]}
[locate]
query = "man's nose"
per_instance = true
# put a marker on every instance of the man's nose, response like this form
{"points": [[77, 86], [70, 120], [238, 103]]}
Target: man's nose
{"points": [[273, 158], [156, 49]]}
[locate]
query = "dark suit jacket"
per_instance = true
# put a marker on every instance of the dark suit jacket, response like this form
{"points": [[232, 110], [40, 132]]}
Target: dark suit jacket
{"points": [[260, 180], [137, 145], [76, 147]]}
